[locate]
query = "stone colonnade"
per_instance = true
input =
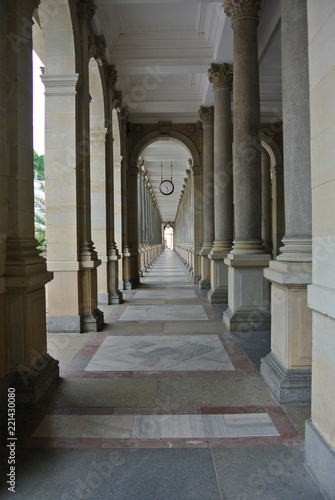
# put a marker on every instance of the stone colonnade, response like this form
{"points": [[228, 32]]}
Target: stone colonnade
{"points": [[149, 221], [189, 223]]}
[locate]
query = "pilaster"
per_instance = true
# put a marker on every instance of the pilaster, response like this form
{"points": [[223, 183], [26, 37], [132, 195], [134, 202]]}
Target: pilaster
{"points": [[72, 296]]}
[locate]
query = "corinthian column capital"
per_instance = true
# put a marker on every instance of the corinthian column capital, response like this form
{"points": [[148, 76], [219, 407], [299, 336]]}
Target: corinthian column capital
{"points": [[86, 9], [206, 114], [111, 75], [220, 75], [241, 9]]}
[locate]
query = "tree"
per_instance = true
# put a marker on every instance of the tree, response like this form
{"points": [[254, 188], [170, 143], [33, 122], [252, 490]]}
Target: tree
{"points": [[39, 204], [38, 166]]}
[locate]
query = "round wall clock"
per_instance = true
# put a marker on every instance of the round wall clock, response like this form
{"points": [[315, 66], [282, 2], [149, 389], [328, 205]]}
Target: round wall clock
{"points": [[166, 187]]}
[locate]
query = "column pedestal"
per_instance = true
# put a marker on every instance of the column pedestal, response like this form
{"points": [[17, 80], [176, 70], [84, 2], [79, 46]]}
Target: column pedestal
{"points": [[205, 281], [218, 293], [286, 370], [249, 293], [66, 290], [31, 385]]}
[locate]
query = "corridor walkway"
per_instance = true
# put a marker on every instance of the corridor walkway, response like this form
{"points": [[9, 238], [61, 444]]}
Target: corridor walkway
{"points": [[162, 404]]}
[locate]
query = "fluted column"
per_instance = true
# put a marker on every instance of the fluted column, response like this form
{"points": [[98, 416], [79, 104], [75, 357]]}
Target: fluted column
{"points": [[286, 369], [248, 300], [221, 75], [266, 201], [207, 117]]}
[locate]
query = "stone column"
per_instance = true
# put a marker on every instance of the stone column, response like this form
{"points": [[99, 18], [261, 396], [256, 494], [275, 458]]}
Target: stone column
{"points": [[221, 75], [132, 224], [248, 300], [266, 201], [197, 221], [286, 370], [207, 118], [23, 274], [72, 295]]}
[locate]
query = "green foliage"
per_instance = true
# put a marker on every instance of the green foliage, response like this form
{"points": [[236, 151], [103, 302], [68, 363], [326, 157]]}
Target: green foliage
{"points": [[39, 212], [38, 166]]}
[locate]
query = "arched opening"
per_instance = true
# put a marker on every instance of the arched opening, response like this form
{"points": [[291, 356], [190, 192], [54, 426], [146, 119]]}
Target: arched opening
{"points": [[168, 234]]}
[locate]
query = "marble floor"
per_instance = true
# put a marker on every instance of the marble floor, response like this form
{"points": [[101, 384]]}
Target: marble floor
{"points": [[163, 403]]}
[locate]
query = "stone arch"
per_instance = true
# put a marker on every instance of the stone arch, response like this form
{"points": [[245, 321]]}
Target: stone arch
{"points": [[156, 135], [277, 194], [58, 23]]}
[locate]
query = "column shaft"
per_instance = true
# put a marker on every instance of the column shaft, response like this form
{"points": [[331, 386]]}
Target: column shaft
{"points": [[221, 76], [207, 117], [248, 300], [286, 370]]}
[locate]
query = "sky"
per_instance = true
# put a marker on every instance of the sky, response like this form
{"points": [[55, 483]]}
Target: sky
{"points": [[38, 106]]}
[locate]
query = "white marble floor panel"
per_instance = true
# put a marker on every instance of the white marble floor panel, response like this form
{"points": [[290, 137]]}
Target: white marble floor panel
{"points": [[164, 313], [201, 426], [165, 294], [160, 353]]}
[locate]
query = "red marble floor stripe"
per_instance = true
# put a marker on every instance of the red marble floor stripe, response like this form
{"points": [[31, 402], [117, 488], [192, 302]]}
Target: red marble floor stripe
{"points": [[228, 410], [282, 423], [236, 355]]}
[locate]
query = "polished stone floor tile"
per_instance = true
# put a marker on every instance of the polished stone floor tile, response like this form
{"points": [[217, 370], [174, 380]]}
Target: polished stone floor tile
{"points": [[61, 426], [164, 313], [154, 474], [108, 426], [165, 294], [202, 426], [160, 353], [264, 473]]}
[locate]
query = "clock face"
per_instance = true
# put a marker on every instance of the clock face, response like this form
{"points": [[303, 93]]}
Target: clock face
{"points": [[166, 187]]}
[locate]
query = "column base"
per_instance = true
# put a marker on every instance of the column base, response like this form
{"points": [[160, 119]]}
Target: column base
{"points": [[248, 293], [218, 293], [205, 284], [288, 386], [320, 460], [76, 324], [110, 298], [127, 285], [218, 296], [33, 384], [247, 321]]}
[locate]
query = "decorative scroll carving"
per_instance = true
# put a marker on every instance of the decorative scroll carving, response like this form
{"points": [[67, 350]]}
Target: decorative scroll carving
{"points": [[117, 101], [36, 4], [111, 76], [86, 9], [97, 47], [206, 114], [242, 9], [220, 75]]}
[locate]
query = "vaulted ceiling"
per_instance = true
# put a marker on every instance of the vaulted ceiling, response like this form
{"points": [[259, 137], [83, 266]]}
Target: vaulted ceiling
{"points": [[162, 51]]}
